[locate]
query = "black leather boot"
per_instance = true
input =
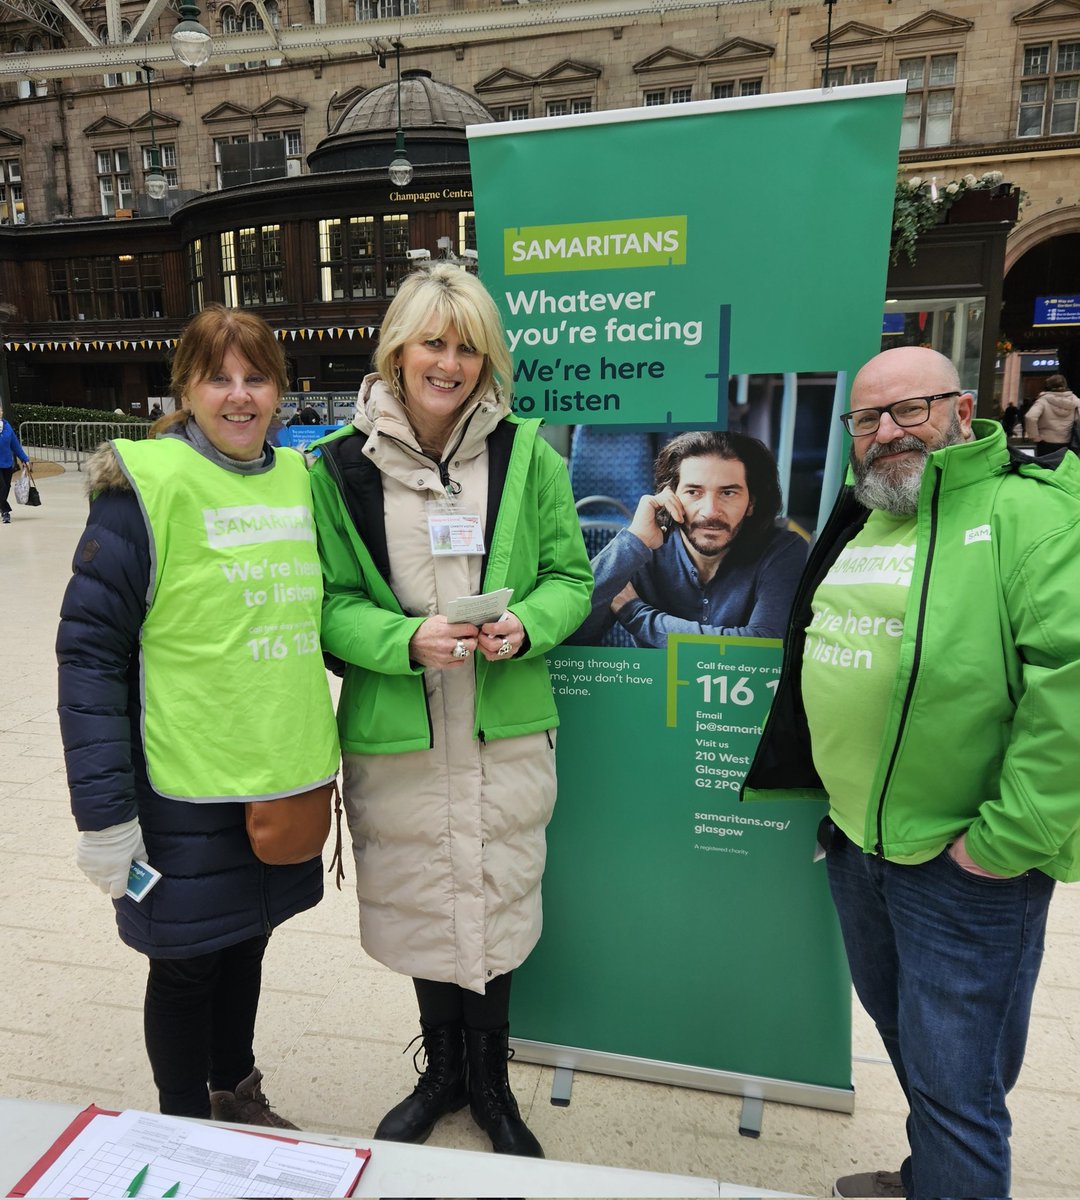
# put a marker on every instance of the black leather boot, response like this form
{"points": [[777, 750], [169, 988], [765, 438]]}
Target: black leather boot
{"points": [[440, 1089], [491, 1101]]}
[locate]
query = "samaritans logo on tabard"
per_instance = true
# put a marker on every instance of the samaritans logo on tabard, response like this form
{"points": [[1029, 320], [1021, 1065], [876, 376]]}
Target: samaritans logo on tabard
{"points": [[249, 524], [595, 245]]}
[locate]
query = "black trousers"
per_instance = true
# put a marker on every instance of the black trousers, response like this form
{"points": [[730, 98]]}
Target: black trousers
{"points": [[199, 1023], [448, 1004], [5, 487]]}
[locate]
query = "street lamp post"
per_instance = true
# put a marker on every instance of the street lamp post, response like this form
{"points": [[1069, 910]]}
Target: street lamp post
{"points": [[190, 41], [828, 42], [156, 183], [400, 171]]}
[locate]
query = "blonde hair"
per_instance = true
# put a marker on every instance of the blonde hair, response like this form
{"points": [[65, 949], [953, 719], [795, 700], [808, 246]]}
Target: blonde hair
{"points": [[430, 300], [206, 340]]}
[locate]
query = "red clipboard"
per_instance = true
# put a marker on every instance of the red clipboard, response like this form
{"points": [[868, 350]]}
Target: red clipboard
{"points": [[80, 1122], [56, 1149]]}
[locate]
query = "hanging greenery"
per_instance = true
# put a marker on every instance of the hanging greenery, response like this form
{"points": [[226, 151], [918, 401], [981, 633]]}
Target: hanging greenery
{"points": [[922, 203]]}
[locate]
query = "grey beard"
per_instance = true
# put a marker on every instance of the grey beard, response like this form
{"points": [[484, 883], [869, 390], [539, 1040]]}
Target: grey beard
{"points": [[895, 489]]}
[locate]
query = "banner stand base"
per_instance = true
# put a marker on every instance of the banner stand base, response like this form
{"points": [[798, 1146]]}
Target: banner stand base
{"points": [[561, 1087], [753, 1110], [566, 1059]]}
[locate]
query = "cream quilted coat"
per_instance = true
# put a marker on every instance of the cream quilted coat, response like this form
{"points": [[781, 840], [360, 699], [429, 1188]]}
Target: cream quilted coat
{"points": [[449, 843]]}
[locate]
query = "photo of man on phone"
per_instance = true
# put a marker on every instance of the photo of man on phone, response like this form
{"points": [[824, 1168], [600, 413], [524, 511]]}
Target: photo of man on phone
{"points": [[704, 553]]}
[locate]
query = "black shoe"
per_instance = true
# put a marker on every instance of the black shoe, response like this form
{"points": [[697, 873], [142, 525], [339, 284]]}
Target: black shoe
{"points": [[491, 1101], [439, 1090]]}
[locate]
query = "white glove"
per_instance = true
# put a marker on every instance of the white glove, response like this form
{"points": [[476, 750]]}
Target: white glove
{"points": [[104, 855]]}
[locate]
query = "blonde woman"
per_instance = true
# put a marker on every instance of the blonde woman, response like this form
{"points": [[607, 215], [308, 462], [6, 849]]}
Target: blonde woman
{"points": [[434, 492]]}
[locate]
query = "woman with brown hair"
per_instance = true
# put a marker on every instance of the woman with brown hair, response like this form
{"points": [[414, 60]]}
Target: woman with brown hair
{"points": [[191, 683]]}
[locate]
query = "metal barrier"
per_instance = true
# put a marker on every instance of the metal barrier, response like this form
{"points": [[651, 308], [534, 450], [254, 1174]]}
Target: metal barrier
{"points": [[74, 441]]}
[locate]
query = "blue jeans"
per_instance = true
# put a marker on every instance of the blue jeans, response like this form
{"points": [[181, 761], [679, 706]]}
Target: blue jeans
{"points": [[945, 962]]}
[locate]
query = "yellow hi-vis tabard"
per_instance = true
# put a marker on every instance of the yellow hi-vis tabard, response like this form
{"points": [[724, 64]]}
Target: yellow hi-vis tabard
{"points": [[235, 703]]}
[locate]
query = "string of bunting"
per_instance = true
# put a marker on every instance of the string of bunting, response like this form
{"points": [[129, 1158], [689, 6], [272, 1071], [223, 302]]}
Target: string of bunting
{"points": [[303, 335]]}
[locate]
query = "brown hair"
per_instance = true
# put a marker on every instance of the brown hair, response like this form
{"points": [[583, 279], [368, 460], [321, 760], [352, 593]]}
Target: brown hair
{"points": [[1057, 383], [206, 340], [762, 478]]}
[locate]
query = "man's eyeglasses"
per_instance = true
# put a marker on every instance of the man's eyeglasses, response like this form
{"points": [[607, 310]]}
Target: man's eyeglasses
{"points": [[905, 413]]}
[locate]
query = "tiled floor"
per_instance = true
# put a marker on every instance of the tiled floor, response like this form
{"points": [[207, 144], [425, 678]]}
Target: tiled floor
{"points": [[333, 1023]]}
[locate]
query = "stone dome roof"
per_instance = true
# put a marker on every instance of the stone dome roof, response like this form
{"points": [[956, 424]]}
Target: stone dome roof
{"points": [[433, 116], [425, 103]]}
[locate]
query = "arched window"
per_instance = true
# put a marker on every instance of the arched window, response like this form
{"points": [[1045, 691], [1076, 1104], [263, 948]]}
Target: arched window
{"points": [[231, 23], [23, 87], [117, 78], [251, 19], [40, 87]]}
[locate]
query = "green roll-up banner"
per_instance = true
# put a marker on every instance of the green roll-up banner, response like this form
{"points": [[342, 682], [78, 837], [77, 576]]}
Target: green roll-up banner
{"points": [[701, 266]]}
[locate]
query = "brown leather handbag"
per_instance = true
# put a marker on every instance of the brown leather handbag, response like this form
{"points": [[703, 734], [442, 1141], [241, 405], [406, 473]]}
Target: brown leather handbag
{"points": [[293, 829]]}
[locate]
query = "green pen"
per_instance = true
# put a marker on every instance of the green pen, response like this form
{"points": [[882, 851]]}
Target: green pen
{"points": [[173, 1190], [137, 1182]]}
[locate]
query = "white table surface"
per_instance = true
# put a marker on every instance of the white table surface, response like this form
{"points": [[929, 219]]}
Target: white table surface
{"points": [[29, 1127]]}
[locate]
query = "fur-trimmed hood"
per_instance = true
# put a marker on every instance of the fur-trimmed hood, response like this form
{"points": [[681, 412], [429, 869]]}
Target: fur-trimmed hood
{"points": [[104, 473]]}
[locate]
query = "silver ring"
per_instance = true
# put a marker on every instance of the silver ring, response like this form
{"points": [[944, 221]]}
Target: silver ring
{"points": [[459, 650], [504, 649]]}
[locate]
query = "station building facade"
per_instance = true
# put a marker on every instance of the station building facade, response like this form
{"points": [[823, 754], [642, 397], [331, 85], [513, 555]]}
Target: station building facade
{"points": [[97, 279]]}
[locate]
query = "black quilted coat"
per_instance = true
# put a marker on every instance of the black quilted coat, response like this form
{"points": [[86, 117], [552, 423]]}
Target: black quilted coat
{"points": [[215, 892]]}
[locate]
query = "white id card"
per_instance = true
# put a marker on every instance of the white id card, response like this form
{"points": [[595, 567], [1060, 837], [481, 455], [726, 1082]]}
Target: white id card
{"points": [[453, 531], [141, 878]]}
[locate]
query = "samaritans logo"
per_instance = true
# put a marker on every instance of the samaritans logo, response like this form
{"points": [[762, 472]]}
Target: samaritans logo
{"points": [[247, 524], [595, 245]]}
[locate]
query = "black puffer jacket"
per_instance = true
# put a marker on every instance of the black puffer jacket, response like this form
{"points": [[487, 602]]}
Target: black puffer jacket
{"points": [[214, 891]]}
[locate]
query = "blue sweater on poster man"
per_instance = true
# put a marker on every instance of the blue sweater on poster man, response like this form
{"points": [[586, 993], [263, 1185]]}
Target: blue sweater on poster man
{"points": [[749, 596]]}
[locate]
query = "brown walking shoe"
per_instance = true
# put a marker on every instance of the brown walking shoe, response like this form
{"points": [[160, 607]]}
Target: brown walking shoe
{"points": [[870, 1183], [247, 1105]]}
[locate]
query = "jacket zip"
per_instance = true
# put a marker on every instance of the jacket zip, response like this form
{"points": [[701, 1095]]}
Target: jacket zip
{"points": [[264, 900], [795, 640], [442, 467], [906, 705]]}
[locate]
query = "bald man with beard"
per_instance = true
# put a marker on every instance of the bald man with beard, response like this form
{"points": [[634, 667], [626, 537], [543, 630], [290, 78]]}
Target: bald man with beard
{"points": [[930, 694]]}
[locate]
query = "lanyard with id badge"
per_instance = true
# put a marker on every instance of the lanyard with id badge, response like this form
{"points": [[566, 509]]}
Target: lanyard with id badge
{"points": [[452, 530]]}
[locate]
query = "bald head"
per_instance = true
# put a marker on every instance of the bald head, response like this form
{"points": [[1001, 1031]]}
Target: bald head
{"points": [[910, 370]]}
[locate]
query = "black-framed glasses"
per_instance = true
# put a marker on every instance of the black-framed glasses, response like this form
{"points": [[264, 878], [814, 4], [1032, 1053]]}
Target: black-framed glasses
{"points": [[863, 421]]}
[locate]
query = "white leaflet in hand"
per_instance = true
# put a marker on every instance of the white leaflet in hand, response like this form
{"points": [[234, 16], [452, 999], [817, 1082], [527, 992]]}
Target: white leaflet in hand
{"points": [[478, 610]]}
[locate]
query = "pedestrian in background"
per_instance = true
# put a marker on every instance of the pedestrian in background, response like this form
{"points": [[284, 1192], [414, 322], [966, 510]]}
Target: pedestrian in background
{"points": [[1049, 421], [11, 451]]}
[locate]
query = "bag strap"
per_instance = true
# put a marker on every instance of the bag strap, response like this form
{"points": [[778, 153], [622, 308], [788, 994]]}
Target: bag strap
{"points": [[337, 861]]}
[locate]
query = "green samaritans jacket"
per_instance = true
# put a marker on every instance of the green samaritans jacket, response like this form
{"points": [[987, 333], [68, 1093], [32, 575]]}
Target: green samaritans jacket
{"points": [[983, 733], [534, 545]]}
